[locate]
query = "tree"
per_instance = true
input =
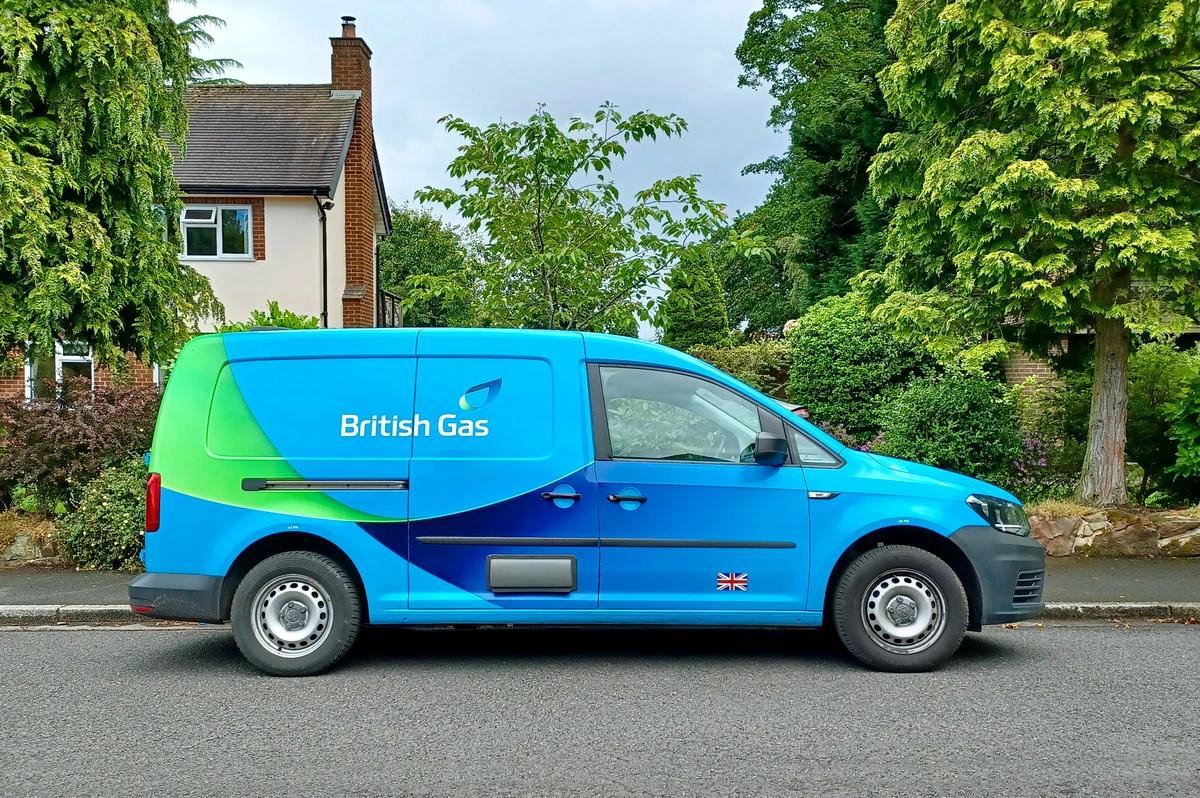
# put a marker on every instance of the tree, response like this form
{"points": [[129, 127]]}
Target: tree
{"points": [[819, 62], [693, 313], [205, 71], [87, 92], [563, 250], [1049, 180], [426, 262]]}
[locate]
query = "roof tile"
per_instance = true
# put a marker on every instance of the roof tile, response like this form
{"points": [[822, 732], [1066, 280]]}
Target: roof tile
{"points": [[269, 138]]}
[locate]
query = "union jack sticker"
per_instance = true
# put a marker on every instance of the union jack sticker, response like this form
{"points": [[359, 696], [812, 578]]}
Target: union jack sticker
{"points": [[732, 581]]}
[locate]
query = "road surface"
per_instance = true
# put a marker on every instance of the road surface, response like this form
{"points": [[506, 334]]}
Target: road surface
{"points": [[1065, 710]]}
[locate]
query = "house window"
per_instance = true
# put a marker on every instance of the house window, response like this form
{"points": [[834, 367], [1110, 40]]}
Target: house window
{"points": [[45, 373], [216, 231]]}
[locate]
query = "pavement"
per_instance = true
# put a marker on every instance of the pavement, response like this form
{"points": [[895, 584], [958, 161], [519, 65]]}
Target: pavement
{"points": [[1076, 587], [1067, 709]]}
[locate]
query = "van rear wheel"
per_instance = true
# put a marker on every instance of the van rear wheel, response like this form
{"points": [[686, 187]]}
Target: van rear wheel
{"points": [[295, 614], [900, 608]]}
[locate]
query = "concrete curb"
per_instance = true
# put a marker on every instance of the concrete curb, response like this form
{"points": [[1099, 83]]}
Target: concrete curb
{"points": [[40, 614], [119, 614], [1101, 610]]}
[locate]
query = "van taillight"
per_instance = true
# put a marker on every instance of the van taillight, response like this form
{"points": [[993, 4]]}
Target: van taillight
{"points": [[153, 501]]}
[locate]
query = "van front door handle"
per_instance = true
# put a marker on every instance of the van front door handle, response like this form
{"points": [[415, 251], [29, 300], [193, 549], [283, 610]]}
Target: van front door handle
{"points": [[616, 497], [552, 495]]}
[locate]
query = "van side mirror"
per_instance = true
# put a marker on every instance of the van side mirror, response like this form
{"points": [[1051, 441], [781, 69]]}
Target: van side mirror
{"points": [[770, 449]]}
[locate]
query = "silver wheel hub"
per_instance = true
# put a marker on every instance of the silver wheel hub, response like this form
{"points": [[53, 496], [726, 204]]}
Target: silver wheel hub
{"points": [[291, 616], [903, 611]]}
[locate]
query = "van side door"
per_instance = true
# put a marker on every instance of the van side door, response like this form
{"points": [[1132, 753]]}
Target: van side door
{"points": [[688, 519], [502, 502]]}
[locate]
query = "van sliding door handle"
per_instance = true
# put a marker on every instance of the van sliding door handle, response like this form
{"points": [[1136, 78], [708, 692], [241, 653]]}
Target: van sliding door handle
{"points": [[551, 496], [616, 497]]}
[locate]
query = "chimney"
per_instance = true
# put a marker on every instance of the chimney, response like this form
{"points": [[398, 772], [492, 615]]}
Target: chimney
{"points": [[350, 67]]}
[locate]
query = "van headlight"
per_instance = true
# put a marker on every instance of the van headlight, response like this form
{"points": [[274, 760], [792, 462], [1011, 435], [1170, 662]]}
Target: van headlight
{"points": [[1000, 514]]}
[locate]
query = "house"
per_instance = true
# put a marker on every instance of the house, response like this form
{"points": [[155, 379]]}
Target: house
{"points": [[283, 194], [283, 200]]}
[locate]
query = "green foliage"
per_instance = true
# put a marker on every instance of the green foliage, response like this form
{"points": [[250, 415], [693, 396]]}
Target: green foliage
{"points": [[1046, 174], [105, 531], [964, 423], [1052, 416], [273, 316], [1159, 375], [1185, 431], [90, 93], [564, 250], [761, 364], [205, 71], [427, 263], [54, 447], [819, 61], [758, 290], [693, 313], [843, 362]]}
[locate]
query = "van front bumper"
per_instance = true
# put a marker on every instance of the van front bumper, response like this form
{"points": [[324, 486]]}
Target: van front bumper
{"points": [[1011, 570], [181, 597]]}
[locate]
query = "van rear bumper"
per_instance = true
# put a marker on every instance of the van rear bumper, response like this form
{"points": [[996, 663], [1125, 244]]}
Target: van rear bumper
{"points": [[1011, 571], [181, 597]]}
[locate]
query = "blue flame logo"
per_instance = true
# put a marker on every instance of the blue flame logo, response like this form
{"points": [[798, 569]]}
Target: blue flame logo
{"points": [[479, 395]]}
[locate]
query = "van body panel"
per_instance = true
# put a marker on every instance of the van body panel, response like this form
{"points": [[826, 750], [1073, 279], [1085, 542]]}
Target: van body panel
{"points": [[511, 426], [700, 520]]}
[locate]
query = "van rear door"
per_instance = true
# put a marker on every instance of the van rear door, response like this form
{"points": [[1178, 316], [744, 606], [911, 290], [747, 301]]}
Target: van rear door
{"points": [[502, 506]]}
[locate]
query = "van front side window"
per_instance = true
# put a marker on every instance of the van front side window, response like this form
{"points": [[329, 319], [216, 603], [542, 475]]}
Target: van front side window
{"points": [[665, 415]]}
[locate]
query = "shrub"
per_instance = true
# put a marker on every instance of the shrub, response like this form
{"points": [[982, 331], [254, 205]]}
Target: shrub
{"points": [[958, 422], [843, 362], [105, 530], [1159, 375], [693, 313], [1052, 415], [1185, 432], [54, 447], [762, 364], [273, 316]]}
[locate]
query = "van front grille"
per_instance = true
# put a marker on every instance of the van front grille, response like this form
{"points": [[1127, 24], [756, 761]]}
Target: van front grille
{"points": [[1029, 587]]}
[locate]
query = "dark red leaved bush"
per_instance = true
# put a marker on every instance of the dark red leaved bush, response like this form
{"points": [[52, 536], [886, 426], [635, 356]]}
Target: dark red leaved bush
{"points": [[55, 446]]}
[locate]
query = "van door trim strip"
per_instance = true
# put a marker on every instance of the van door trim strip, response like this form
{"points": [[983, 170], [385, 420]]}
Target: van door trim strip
{"points": [[484, 540], [643, 543], [324, 484], [694, 543]]}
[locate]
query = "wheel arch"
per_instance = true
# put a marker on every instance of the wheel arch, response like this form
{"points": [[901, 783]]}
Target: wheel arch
{"points": [[278, 543], [921, 538]]}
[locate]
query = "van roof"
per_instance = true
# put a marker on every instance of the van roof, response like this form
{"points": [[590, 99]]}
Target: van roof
{"points": [[397, 341]]}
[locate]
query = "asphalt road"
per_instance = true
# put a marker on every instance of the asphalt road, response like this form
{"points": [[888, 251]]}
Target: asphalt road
{"points": [[1066, 710]]}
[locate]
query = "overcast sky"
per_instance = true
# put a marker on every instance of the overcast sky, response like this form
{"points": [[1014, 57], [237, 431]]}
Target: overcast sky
{"points": [[487, 60]]}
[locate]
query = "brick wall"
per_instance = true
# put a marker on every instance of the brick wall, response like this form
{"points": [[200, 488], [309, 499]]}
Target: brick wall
{"points": [[1020, 366], [137, 373], [258, 223], [12, 384], [350, 65]]}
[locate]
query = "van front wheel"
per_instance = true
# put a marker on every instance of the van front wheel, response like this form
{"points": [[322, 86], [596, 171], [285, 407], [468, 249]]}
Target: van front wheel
{"points": [[295, 614], [900, 608]]}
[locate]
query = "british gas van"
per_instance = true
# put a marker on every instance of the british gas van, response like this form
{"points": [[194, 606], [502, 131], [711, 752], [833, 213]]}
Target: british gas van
{"points": [[304, 483]]}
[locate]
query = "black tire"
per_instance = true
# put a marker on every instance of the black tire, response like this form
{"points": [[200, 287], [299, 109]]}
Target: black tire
{"points": [[915, 584], [314, 613]]}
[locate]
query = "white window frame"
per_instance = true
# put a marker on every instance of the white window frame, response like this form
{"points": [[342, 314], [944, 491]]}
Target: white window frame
{"points": [[216, 224], [59, 360]]}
